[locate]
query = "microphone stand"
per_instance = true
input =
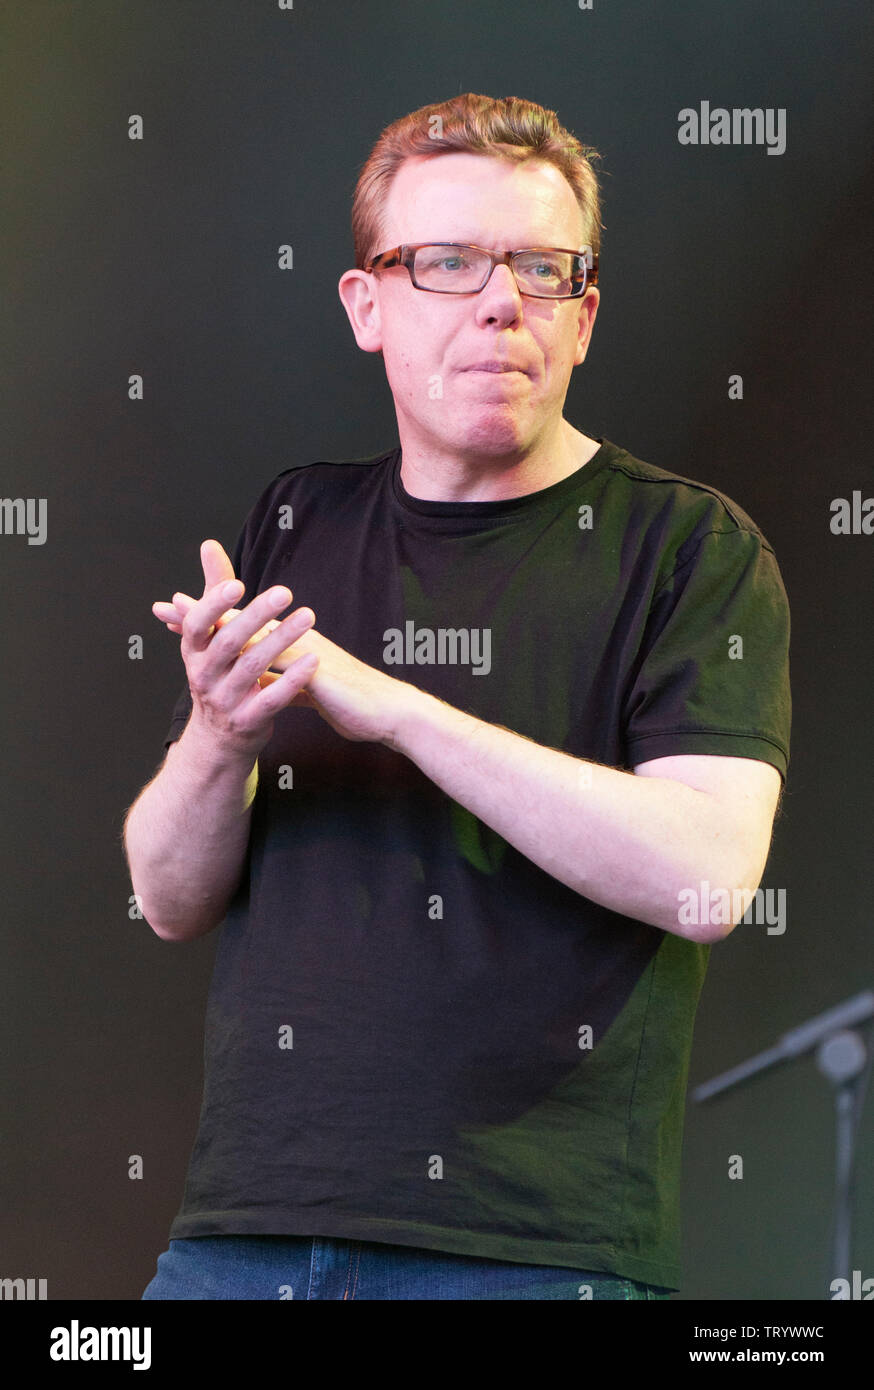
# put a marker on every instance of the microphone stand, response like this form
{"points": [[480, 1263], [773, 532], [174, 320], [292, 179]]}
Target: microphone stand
{"points": [[844, 1060]]}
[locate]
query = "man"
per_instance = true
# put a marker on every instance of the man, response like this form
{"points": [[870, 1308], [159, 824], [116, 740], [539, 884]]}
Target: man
{"points": [[449, 810]]}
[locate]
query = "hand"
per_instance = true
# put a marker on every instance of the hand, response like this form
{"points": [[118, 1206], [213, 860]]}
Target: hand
{"points": [[227, 654], [360, 702]]}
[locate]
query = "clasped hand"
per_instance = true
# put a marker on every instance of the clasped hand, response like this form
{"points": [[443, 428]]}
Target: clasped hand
{"points": [[244, 665]]}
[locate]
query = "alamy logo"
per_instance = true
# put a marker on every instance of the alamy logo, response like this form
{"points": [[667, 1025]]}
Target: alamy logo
{"points": [[447, 646], [741, 125], [23, 1288], [722, 906], [854, 518], [75, 1343], [21, 516], [843, 1289]]}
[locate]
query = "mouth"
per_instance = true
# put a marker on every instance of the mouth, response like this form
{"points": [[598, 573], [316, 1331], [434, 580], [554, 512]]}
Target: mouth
{"points": [[496, 368]]}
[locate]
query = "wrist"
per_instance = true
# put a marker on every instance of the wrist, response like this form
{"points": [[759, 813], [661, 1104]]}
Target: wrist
{"points": [[411, 711], [213, 754]]}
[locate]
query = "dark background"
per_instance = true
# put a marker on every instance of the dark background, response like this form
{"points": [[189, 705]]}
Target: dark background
{"points": [[159, 257]]}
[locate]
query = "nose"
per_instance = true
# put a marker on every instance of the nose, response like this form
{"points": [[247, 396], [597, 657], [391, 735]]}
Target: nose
{"points": [[503, 276], [499, 296]]}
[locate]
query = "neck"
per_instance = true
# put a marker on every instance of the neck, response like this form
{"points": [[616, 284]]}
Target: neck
{"points": [[469, 476]]}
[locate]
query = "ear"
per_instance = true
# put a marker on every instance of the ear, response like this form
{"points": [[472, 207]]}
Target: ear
{"points": [[588, 312], [359, 294]]}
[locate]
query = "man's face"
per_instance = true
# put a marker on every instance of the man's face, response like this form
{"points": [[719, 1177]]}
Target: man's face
{"points": [[431, 342]]}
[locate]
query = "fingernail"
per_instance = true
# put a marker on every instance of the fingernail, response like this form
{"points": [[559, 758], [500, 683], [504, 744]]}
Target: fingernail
{"points": [[231, 590]]}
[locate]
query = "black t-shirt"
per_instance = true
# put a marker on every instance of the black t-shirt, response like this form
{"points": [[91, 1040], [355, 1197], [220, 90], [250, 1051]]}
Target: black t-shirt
{"points": [[396, 1040]]}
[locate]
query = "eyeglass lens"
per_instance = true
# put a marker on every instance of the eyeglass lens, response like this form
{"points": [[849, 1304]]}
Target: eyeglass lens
{"points": [[464, 268]]}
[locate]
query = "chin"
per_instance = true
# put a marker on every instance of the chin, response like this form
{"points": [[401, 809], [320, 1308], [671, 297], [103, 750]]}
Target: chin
{"points": [[490, 441], [495, 424]]}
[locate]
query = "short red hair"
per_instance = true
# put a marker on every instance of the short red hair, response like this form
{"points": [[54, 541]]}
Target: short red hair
{"points": [[502, 127]]}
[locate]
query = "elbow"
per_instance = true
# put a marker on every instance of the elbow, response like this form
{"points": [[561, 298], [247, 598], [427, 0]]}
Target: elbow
{"points": [[143, 912], [183, 927], [712, 932], [708, 909], [177, 933], [179, 930], [162, 932]]}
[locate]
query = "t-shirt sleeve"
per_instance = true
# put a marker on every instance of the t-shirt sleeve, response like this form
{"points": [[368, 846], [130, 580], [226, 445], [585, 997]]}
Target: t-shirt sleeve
{"points": [[712, 674], [183, 706]]}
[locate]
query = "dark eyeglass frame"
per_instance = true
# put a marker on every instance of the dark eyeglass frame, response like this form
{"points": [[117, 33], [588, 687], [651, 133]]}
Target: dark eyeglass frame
{"points": [[404, 255]]}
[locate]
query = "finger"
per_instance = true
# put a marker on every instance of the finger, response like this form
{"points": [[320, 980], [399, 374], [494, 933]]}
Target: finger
{"points": [[175, 612], [233, 635], [303, 697], [283, 659], [172, 614], [217, 565], [279, 693], [252, 663], [202, 617], [261, 633], [167, 612], [182, 602]]}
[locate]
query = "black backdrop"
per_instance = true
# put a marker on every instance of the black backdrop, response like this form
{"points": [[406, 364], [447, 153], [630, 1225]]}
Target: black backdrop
{"points": [[159, 257]]}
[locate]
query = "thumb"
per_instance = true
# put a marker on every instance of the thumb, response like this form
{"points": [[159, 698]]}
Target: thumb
{"points": [[217, 566]]}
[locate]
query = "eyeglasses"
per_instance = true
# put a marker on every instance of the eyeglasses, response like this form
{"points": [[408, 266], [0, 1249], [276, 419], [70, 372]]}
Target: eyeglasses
{"points": [[454, 268]]}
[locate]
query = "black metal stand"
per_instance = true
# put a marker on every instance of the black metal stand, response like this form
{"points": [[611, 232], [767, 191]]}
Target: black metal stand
{"points": [[843, 1058]]}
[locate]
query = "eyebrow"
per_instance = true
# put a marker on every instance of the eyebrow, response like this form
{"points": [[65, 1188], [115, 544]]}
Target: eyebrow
{"points": [[476, 241]]}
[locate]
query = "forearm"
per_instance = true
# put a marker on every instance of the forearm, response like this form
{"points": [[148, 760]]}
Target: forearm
{"points": [[186, 836], [629, 843]]}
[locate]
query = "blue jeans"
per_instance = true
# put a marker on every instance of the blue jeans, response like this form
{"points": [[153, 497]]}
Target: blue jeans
{"points": [[304, 1267]]}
